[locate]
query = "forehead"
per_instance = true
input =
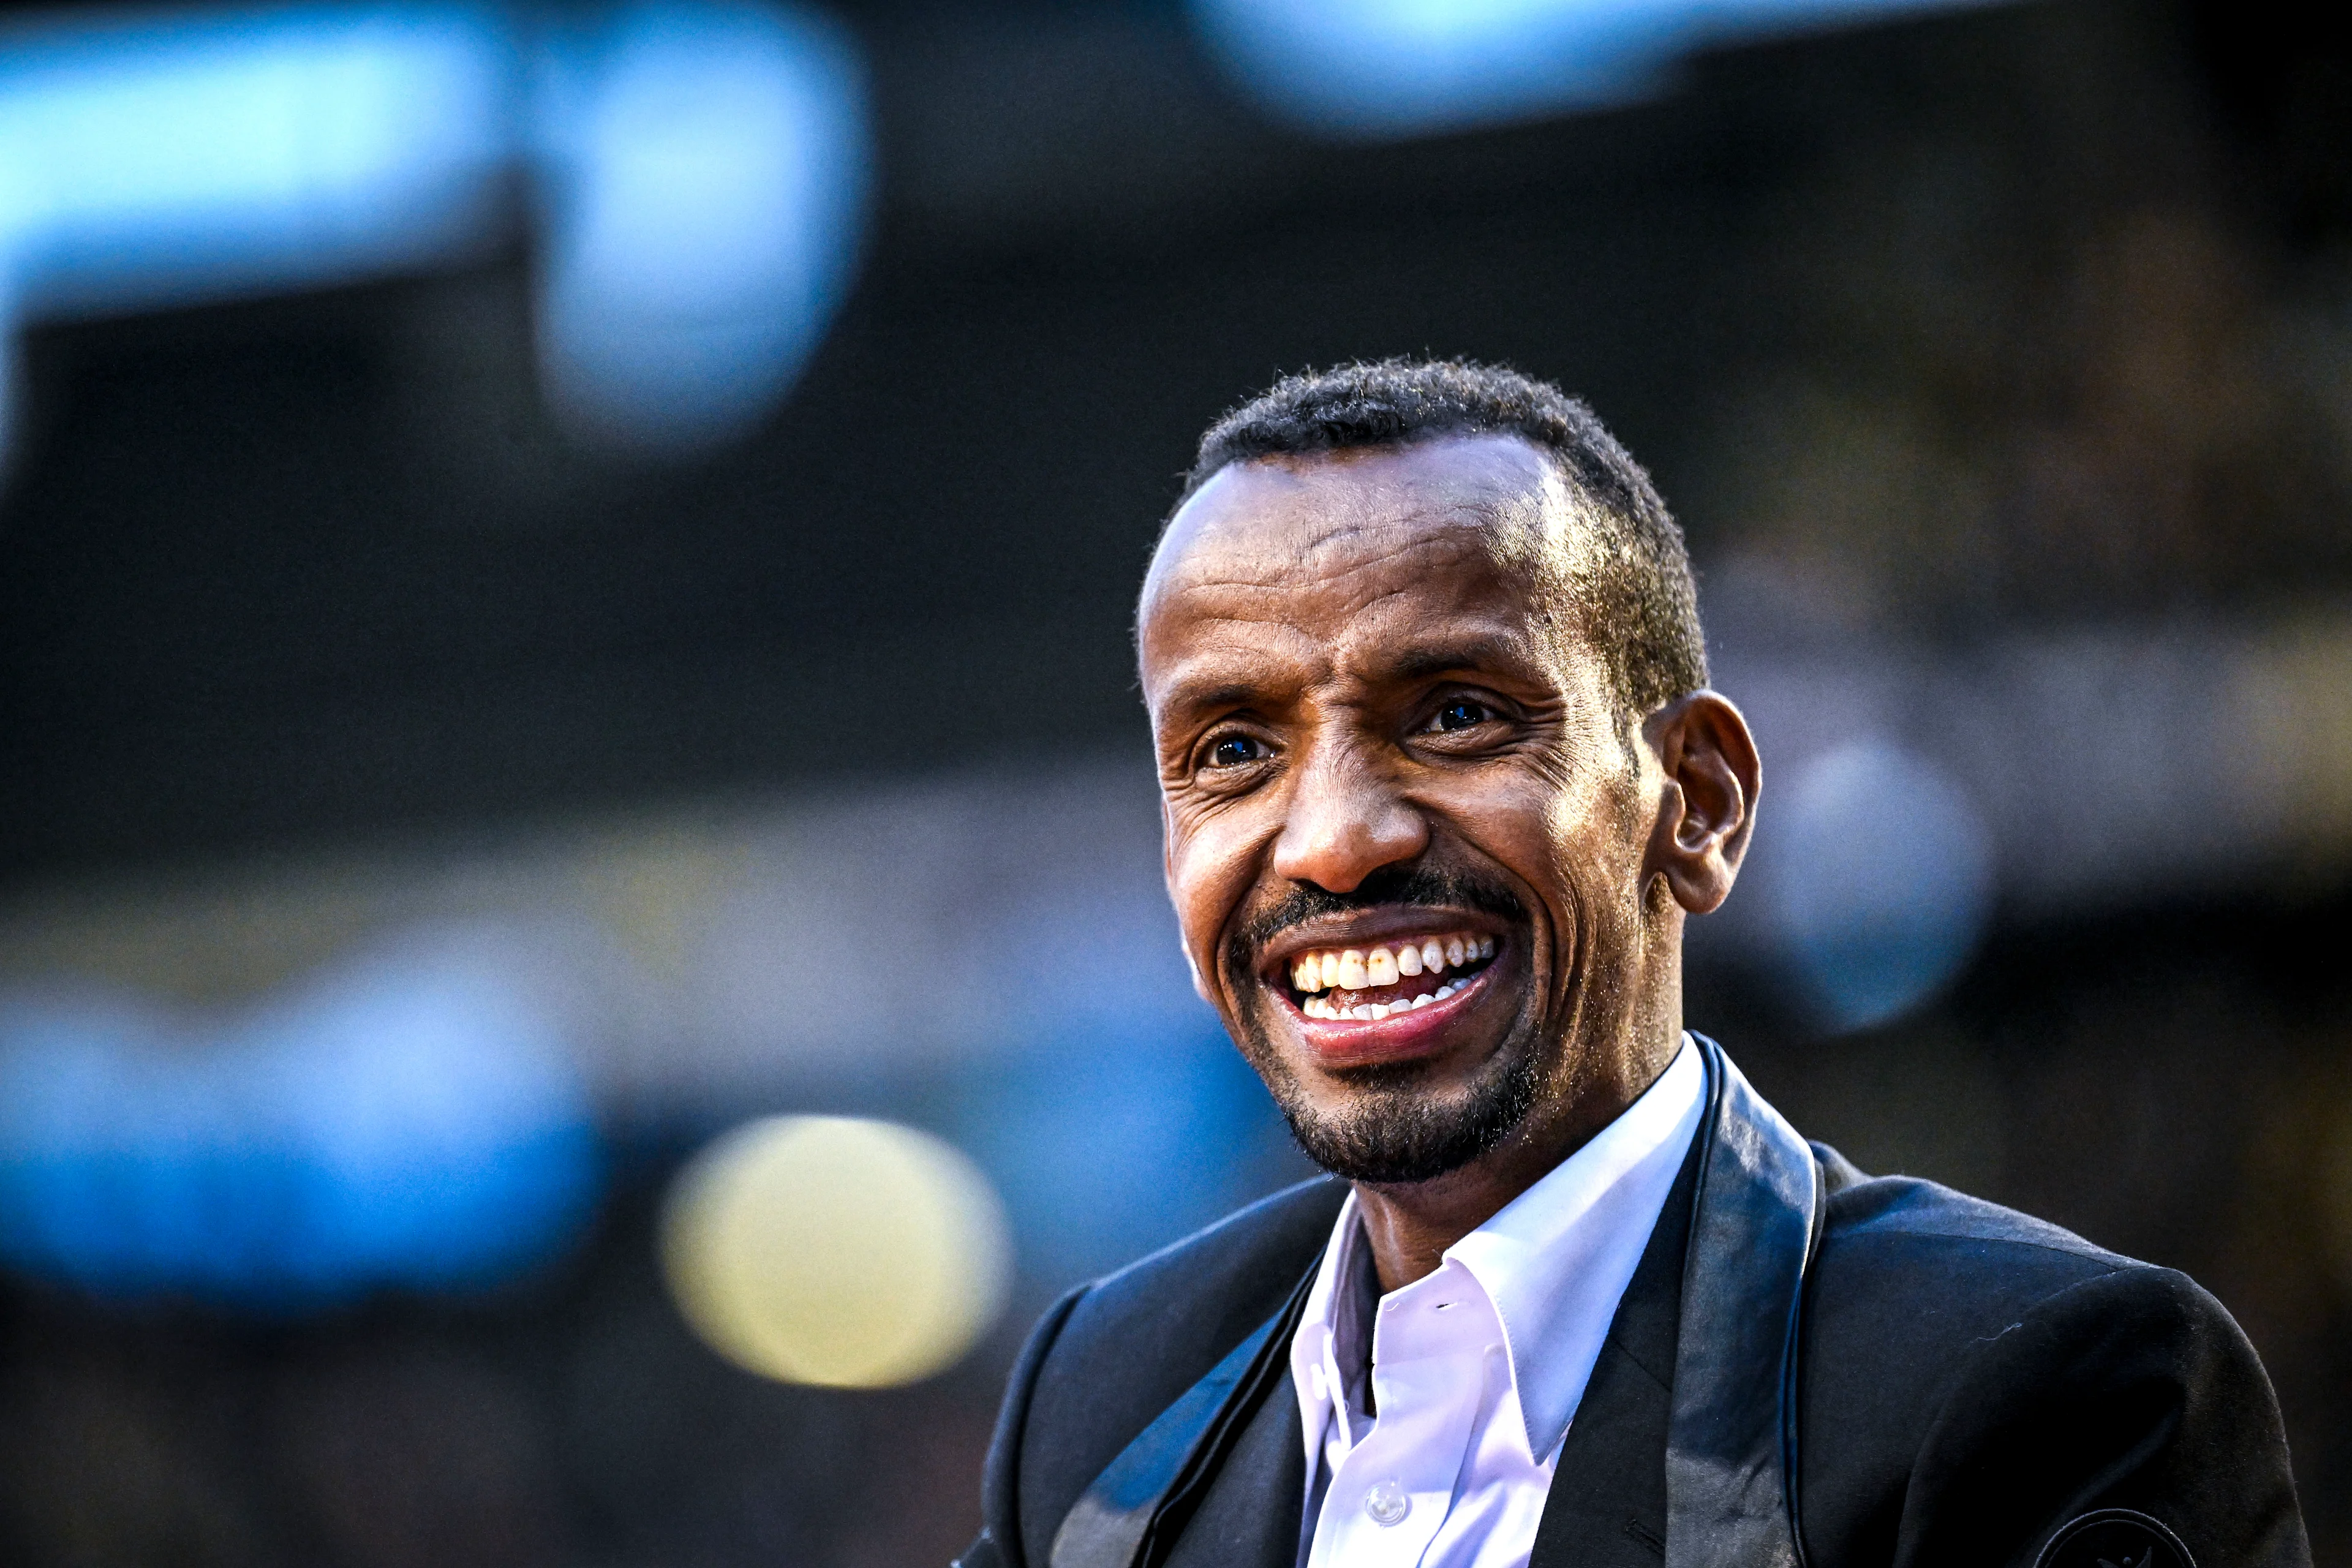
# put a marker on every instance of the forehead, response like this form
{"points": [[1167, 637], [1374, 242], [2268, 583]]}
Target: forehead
{"points": [[1356, 558]]}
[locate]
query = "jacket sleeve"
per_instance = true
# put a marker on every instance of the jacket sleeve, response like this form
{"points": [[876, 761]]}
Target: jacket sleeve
{"points": [[2131, 1389], [998, 1545]]}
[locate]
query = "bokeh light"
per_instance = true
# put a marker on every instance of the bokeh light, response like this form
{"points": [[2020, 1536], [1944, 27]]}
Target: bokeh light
{"points": [[415, 1122], [836, 1250], [1879, 874], [1407, 67], [691, 174]]}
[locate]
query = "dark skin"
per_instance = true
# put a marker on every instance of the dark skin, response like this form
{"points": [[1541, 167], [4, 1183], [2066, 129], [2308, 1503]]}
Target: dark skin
{"points": [[1363, 660]]}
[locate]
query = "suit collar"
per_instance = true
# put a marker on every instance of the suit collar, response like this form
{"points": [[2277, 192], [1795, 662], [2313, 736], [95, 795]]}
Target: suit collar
{"points": [[1755, 1219]]}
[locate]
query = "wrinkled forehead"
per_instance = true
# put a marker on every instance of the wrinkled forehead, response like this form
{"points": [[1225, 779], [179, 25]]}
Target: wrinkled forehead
{"points": [[1348, 543]]}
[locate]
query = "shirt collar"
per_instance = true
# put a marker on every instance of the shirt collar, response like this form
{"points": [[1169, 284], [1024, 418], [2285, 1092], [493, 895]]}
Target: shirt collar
{"points": [[1557, 1259], [1553, 1262]]}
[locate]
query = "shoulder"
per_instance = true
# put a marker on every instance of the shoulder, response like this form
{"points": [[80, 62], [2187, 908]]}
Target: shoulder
{"points": [[1896, 1243], [1910, 1280], [1117, 1353], [1970, 1374]]}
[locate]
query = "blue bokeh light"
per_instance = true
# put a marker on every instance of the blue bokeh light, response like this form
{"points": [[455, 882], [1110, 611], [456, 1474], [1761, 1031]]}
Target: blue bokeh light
{"points": [[1108, 1144], [707, 169], [1878, 873], [410, 1124], [691, 174], [1114, 1118], [206, 157], [1380, 69]]}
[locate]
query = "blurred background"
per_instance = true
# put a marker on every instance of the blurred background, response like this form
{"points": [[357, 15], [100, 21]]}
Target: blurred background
{"points": [[581, 938]]}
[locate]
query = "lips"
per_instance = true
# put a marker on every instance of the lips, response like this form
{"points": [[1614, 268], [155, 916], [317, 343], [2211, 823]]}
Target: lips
{"points": [[1382, 985]]}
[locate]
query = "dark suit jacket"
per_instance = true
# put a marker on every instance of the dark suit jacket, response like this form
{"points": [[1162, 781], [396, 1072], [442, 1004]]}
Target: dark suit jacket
{"points": [[1971, 1380]]}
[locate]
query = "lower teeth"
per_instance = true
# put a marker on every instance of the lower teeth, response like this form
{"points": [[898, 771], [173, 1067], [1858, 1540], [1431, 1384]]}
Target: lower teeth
{"points": [[1373, 1011]]}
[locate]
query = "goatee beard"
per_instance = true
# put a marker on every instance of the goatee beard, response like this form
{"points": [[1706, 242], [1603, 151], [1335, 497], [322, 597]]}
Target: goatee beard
{"points": [[1398, 1131]]}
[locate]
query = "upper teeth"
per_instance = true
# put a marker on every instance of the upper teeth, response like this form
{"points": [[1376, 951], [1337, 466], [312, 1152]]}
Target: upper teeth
{"points": [[1354, 969]]}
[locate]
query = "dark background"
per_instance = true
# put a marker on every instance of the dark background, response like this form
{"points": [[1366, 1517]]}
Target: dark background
{"points": [[2012, 323]]}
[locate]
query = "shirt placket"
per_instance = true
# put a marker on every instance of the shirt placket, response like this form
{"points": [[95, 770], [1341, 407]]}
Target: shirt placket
{"points": [[1391, 1494]]}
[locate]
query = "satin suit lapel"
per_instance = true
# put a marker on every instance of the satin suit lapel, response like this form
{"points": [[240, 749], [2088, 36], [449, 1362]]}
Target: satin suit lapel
{"points": [[1249, 1516], [1684, 1449], [1139, 1511], [1608, 1502]]}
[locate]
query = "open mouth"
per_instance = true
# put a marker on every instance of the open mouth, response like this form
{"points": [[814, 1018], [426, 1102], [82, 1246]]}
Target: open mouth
{"points": [[1364, 984]]}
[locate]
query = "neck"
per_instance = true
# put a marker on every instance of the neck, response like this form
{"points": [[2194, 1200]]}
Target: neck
{"points": [[1411, 1225]]}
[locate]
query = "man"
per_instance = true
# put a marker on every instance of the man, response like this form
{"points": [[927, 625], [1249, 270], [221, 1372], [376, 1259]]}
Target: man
{"points": [[1441, 780]]}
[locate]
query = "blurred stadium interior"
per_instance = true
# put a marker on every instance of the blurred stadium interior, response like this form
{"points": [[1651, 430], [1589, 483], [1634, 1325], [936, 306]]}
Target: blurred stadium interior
{"points": [[499, 693]]}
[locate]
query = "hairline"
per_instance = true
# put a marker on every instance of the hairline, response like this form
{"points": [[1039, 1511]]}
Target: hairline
{"points": [[1551, 576]]}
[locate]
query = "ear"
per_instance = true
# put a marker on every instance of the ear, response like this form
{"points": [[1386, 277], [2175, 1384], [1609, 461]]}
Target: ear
{"points": [[1708, 808]]}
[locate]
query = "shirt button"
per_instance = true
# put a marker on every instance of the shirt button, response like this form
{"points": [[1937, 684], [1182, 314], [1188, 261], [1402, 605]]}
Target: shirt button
{"points": [[1387, 1503]]}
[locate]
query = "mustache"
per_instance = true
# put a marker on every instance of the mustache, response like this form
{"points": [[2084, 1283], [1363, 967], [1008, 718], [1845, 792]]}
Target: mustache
{"points": [[1416, 887]]}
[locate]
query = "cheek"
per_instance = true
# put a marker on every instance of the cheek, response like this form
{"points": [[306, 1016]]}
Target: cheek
{"points": [[1208, 876], [1526, 828], [1589, 821], [1563, 842], [1600, 862]]}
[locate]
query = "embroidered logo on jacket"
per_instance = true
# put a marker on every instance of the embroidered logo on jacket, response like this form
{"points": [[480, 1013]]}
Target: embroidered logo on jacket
{"points": [[2115, 1537]]}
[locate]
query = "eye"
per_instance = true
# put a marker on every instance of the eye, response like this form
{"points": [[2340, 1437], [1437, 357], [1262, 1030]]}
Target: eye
{"points": [[1236, 751], [1462, 713]]}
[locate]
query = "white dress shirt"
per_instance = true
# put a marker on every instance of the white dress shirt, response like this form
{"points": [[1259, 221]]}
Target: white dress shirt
{"points": [[1476, 1370]]}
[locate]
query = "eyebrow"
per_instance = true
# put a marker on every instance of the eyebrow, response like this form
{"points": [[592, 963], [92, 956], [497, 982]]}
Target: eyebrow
{"points": [[1212, 694], [1477, 653], [1420, 663], [1227, 694]]}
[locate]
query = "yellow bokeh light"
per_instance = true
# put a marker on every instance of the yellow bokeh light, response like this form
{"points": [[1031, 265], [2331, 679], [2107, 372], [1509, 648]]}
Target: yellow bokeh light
{"points": [[835, 1250]]}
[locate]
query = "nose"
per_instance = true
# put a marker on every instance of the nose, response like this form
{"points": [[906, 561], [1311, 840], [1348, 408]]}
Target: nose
{"points": [[1345, 822]]}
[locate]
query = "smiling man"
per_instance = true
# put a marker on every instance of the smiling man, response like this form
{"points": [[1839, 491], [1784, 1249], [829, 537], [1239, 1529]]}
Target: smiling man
{"points": [[1441, 782]]}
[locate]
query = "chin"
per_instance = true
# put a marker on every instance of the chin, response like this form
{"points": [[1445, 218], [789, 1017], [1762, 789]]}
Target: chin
{"points": [[1387, 1122]]}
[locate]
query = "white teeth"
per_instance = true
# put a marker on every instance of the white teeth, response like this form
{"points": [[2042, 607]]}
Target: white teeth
{"points": [[1331, 1007], [1352, 969]]}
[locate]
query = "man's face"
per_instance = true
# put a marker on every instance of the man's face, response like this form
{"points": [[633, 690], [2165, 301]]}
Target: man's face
{"points": [[1405, 830]]}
